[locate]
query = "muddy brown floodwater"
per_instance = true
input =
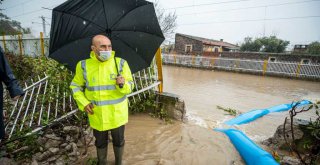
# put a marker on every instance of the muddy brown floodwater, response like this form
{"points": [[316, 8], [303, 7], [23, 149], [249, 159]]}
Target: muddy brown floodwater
{"points": [[150, 141]]}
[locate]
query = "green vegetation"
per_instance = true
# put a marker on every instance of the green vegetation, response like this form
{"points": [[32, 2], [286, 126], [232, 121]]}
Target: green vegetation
{"points": [[11, 27], [270, 44], [92, 161], [313, 143], [230, 111], [314, 48], [149, 105], [308, 147], [29, 70], [25, 68], [24, 147]]}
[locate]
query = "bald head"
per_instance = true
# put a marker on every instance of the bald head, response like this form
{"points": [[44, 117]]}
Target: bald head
{"points": [[98, 38], [100, 43]]}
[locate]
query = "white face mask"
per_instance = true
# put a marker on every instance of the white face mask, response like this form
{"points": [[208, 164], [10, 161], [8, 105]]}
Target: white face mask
{"points": [[104, 55]]}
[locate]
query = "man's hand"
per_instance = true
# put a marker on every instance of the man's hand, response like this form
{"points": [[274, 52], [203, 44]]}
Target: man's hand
{"points": [[4, 114], [89, 108], [16, 98], [120, 80]]}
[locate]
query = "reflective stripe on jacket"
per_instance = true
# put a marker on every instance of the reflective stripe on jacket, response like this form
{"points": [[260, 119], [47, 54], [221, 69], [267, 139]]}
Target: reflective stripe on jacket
{"points": [[95, 82]]}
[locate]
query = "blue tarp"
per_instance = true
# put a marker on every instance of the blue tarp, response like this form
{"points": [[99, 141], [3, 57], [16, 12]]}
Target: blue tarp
{"points": [[255, 114], [251, 153]]}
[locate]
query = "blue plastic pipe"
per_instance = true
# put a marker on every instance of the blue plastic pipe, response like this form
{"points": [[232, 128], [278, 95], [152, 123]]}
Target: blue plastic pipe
{"points": [[255, 114], [251, 153]]}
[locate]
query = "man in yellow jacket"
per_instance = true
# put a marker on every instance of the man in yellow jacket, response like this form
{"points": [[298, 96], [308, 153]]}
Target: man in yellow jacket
{"points": [[100, 87]]}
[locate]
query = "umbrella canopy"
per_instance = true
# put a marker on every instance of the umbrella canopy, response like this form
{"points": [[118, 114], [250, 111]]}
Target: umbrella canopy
{"points": [[131, 25]]}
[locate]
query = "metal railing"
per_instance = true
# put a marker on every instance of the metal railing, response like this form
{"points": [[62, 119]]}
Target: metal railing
{"points": [[264, 67], [20, 45], [44, 103]]}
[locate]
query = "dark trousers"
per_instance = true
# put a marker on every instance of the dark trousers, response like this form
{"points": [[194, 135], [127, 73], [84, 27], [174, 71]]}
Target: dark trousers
{"points": [[102, 137], [2, 133]]}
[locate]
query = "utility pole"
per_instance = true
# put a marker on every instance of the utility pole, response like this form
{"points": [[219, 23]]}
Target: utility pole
{"points": [[44, 25], [264, 21]]}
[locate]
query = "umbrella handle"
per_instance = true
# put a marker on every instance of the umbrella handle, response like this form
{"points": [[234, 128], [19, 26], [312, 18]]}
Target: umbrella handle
{"points": [[120, 85], [115, 62]]}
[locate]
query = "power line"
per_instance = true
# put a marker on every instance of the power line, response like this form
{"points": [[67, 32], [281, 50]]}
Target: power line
{"points": [[253, 7], [18, 4], [27, 13], [206, 4], [34, 11], [252, 20], [46, 8], [39, 23]]}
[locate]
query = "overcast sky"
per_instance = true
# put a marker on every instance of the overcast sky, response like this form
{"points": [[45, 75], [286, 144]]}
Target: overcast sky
{"points": [[297, 21]]}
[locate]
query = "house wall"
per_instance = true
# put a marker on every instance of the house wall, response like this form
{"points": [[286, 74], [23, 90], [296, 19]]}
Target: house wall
{"points": [[181, 42], [211, 48]]}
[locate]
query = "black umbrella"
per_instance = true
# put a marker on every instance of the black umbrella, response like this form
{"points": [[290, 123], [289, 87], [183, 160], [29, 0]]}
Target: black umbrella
{"points": [[131, 25]]}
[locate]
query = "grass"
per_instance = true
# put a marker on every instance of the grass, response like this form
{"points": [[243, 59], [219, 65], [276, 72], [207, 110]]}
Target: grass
{"points": [[230, 111]]}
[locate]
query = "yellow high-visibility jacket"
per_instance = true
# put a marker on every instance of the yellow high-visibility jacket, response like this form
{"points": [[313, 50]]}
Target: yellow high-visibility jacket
{"points": [[95, 82]]}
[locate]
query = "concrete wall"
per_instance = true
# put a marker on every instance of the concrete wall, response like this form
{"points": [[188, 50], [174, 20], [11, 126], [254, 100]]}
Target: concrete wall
{"points": [[173, 104], [260, 67], [280, 57]]}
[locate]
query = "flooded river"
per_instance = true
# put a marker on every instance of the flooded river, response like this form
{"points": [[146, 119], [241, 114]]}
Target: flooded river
{"points": [[150, 141], [204, 90]]}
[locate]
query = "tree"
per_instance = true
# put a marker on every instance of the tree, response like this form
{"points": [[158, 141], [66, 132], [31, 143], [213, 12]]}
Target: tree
{"points": [[264, 44], [273, 44], [314, 48], [250, 45], [9, 26], [167, 21]]}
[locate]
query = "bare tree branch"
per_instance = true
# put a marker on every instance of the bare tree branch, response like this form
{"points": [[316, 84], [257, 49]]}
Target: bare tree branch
{"points": [[167, 21], [293, 112]]}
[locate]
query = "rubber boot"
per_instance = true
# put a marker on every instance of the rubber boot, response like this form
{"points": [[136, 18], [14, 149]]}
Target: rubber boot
{"points": [[102, 156], [118, 152]]}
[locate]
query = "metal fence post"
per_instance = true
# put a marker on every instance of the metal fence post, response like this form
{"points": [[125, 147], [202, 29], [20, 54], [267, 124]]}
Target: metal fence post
{"points": [[237, 63], [20, 43], [265, 66], [212, 62], [298, 70], [4, 42], [159, 66], [42, 43], [193, 59]]}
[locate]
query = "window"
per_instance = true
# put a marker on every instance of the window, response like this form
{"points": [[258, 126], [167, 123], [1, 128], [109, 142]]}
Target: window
{"points": [[305, 61], [272, 59], [188, 48]]}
